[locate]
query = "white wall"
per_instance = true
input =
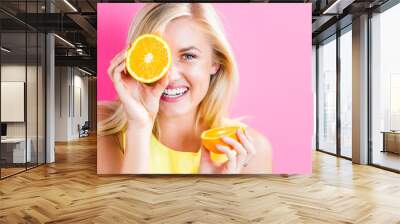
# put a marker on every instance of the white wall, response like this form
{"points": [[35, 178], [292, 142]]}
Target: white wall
{"points": [[62, 80], [12, 101], [70, 83], [12, 73]]}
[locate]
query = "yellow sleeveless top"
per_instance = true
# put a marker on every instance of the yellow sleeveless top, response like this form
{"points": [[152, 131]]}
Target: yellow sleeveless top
{"points": [[164, 160]]}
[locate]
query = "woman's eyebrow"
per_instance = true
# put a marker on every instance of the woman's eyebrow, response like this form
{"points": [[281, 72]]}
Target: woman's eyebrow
{"points": [[189, 48]]}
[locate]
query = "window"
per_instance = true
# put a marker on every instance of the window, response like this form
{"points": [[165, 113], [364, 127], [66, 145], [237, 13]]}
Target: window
{"points": [[327, 95], [346, 92], [385, 88]]}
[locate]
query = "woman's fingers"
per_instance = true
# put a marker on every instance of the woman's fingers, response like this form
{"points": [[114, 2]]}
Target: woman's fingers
{"points": [[242, 153], [246, 142], [118, 59], [235, 144], [118, 83], [157, 88], [160, 86], [231, 164], [151, 93], [243, 146], [248, 145]]}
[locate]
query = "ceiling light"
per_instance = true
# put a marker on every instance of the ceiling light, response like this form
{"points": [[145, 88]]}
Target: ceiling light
{"points": [[70, 5], [5, 50], [64, 40], [84, 71]]}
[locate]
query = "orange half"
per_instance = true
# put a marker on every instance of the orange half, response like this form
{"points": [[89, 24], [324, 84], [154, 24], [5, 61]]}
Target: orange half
{"points": [[148, 59], [212, 137]]}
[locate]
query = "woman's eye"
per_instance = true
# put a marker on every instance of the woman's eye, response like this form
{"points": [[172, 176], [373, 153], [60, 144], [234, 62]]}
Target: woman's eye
{"points": [[188, 57]]}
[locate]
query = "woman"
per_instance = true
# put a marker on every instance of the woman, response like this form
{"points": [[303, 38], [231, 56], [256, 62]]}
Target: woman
{"points": [[160, 133]]}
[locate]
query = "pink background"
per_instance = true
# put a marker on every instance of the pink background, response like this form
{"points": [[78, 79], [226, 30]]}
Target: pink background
{"points": [[272, 45]]}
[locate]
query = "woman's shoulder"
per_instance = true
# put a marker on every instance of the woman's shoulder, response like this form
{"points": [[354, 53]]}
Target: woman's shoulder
{"points": [[259, 140], [262, 161]]}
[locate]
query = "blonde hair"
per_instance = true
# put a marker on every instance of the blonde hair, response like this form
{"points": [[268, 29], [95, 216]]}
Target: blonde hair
{"points": [[213, 109]]}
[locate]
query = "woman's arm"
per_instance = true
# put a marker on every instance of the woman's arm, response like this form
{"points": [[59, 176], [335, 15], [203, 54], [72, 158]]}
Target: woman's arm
{"points": [[137, 151]]}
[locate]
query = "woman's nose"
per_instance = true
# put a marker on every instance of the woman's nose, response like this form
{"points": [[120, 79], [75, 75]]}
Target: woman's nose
{"points": [[174, 73]]}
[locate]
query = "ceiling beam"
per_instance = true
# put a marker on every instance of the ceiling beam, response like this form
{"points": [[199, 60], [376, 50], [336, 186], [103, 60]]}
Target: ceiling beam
{"points": [[337, 6], [82, 61], [84, 24]]}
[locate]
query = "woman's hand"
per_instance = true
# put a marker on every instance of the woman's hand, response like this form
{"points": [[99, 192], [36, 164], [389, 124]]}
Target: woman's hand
{"points": [[140, 101], [238, 158]]}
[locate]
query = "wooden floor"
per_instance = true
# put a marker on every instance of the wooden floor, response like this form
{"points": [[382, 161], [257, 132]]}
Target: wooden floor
{"points": [[388, 159], [69, 191], [10, 171]]}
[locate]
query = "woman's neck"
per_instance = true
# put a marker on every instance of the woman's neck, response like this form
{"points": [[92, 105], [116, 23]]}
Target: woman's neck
{"points": [[180, 132]]}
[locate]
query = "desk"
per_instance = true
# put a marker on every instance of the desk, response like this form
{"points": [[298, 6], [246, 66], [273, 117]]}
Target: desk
{"points": [[13, 150], [391, 141]]}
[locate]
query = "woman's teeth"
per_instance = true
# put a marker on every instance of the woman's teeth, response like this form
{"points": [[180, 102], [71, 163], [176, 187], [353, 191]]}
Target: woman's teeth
{"points": [[175, 92]]}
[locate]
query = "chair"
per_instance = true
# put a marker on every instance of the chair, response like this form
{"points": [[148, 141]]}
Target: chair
{"points": [[84, 130]]}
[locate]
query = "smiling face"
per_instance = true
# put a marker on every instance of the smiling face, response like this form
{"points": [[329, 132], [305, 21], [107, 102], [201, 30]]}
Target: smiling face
{"points": [[191, 69]]}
